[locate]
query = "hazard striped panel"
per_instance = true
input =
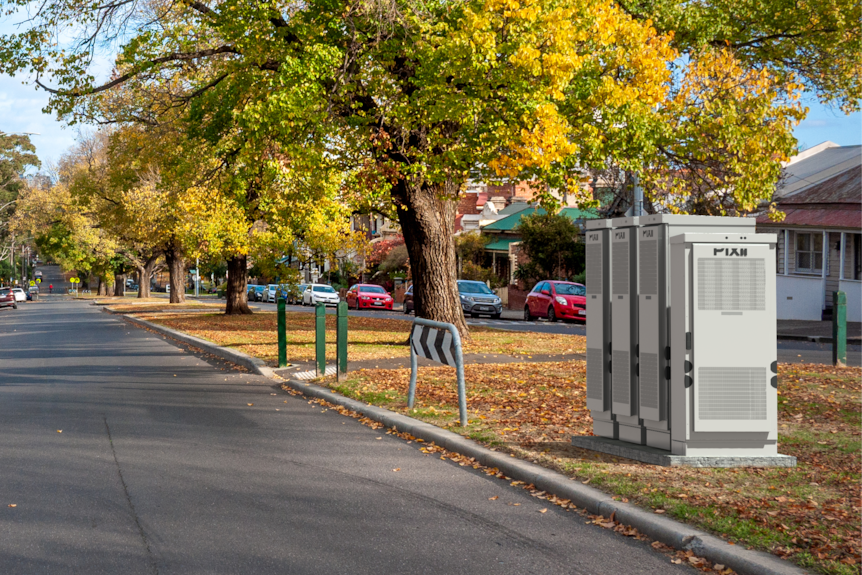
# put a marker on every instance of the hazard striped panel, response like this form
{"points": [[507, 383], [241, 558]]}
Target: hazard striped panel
{"points": [[434, 344]]}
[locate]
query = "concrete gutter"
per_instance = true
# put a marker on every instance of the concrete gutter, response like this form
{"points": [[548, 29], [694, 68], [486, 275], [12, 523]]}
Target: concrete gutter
{"points": [[672, 533]]}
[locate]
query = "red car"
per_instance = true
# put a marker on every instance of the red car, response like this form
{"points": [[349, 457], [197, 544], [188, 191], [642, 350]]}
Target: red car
{"points": [[7, 298], [557, 300], [368, 296]]}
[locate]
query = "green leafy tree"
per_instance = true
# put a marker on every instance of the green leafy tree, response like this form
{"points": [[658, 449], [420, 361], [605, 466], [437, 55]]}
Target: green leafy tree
{"points": [[408, 100], [17, 154], [552, 243]]}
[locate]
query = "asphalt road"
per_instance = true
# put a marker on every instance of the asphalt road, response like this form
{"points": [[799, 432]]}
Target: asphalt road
{"points": [[123, 453]]}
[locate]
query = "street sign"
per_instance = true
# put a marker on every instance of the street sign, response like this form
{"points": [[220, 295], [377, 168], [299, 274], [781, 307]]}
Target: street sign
{"points": [[38, 280], [74, 280], [32, 283]]}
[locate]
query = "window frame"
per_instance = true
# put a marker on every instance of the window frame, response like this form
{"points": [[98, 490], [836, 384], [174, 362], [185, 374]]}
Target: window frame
{"points": [[815, 248]]}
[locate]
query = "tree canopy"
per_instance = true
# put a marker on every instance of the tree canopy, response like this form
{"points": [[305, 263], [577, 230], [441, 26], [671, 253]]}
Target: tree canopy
{"points": [[392, 105]]}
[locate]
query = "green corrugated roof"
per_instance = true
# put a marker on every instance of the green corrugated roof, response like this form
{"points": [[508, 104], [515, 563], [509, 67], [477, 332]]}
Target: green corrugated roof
{"points": [[501, 245], [510, 222], [514, 208]]}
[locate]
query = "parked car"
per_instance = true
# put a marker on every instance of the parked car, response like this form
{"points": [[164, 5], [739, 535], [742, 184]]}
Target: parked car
{"points": [[408, 299], [478, 299], [269, 293], [368, 296], [7, 298], [255, 293], [297, 299], [320, 293], [20, 294], [557, 300]]}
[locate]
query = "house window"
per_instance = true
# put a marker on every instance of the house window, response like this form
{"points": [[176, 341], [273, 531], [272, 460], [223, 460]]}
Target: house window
{"points": [[809, 252]]}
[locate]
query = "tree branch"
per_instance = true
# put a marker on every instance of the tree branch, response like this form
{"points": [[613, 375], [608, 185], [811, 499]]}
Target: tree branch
{"points": [[175, 57]]}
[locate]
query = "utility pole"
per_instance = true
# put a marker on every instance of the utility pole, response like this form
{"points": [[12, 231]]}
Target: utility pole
{"points": [[638, 197]]}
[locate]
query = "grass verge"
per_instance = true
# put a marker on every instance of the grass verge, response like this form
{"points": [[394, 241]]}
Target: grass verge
{"points": [[368, 338]]}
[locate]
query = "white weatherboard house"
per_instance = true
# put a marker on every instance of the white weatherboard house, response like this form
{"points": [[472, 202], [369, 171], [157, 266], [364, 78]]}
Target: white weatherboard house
{"points": [[820, 241]]}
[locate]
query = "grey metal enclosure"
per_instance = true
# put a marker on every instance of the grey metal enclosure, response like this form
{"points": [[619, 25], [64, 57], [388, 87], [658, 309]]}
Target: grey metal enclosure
{"points": [[648, 280]]}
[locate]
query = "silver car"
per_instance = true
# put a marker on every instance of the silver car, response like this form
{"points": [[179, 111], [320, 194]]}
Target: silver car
{"points": [[478, 299]]}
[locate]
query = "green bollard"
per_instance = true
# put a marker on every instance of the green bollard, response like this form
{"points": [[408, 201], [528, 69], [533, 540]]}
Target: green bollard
{"points": [[839, 328], [282, 335], [341, 341], [320, 338]]}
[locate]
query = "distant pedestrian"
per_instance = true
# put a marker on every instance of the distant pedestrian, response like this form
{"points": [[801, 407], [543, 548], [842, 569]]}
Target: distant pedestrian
{"points": [[51, 288]]}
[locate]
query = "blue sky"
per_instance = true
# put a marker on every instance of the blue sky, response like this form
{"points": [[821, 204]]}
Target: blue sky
{"points": [[21, 111]]}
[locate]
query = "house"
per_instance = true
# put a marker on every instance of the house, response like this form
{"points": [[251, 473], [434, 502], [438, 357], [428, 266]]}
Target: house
{"points": [[505, 238], [820, 239]]}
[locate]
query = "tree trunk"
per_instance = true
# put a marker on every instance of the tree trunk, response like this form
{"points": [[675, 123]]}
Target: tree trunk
{"points": [[428, 225], [176, 271], [237, 278], [103, 287], [119, 285], [145, 273]]}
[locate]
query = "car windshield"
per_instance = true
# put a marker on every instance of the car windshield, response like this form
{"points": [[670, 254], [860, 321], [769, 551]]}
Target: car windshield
{"points": [[4, 291], [570, 289], [474, 287], [324, 289], [258, 288], [372, 289]]}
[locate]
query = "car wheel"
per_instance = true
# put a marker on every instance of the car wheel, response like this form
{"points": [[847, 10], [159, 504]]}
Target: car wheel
{"points": [[406, 309], [496, 315], [15, 305], [527, 315], [552, 316]]}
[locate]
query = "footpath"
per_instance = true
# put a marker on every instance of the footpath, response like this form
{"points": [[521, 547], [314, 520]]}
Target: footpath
{"points": [[817, 331]]}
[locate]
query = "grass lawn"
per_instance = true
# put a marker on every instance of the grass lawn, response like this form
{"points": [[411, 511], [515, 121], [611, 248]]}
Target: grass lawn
{"points": [[810, 514], [368, 338]]}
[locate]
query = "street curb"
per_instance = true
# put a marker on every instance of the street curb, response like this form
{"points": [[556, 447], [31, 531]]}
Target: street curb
{"points": [[667, 531], [253, 364], [670, 532], [817, 338]]}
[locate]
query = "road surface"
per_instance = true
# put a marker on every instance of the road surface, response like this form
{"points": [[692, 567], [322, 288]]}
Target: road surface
{"points": [[123, 454]]}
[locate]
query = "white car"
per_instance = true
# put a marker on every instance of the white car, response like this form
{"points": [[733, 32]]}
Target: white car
{"points": [[20, 294], [269, 294], [320, 293]]}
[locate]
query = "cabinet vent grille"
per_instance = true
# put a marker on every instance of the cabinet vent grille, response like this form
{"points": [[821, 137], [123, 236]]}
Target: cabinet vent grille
{"points": [[731, 393], [731, 284]]}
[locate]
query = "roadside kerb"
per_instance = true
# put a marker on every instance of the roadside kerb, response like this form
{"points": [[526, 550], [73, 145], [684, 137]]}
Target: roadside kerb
{"points": [[665, 530], [252, 364]]}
